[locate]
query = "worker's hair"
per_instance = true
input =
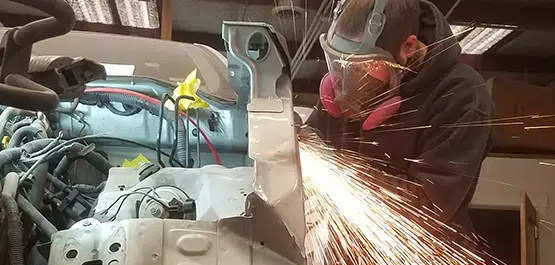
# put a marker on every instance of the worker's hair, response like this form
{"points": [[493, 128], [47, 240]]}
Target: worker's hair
{"points": [[402, 20]]}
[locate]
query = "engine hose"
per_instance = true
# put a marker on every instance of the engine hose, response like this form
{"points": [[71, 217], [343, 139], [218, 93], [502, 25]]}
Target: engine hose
{"points": [[61, 22], [89, 189], [14, 231], [62, 167], [42, 223], [62, 186], [169, 116], [9, 155], [9, 113], [39, 183], [55, 201], [20, 124], [36, 145], [56, 182], [94, 158], [28, 132]]}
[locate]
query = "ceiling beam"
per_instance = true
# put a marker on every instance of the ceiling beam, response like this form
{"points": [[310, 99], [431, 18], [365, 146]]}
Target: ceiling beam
{"points": [[307, 4], [114, 11], [510, 63], [521, 14], [166, 19]]}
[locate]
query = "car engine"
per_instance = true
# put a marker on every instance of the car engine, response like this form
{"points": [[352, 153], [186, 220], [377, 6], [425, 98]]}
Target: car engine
{"points": [[106, 168]]}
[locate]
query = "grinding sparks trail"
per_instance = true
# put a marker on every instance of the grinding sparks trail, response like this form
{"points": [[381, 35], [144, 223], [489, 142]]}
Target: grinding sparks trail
{"points": [[353, 220]]}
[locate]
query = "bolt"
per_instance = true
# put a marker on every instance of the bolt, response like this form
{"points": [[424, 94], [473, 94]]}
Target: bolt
{"points": [[86, 223]]}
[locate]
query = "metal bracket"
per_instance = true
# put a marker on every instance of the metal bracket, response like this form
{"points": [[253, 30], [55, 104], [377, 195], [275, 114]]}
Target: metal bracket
{"points": [[256, 61], [259, 68]]}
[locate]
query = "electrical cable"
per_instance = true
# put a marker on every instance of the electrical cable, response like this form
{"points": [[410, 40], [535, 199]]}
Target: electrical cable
{"points": [[162, 186], [49, 146], [71, 109], [163, 101], [179, 133], [188, 158], [175, 187], [128, 110], [125, 196], [92, 138], [158, 102], [100, 137], [14, 235], [174, 120]]}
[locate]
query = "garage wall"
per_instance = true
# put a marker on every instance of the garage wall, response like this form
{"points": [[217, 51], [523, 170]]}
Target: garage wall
{"points": [[503, 180]]}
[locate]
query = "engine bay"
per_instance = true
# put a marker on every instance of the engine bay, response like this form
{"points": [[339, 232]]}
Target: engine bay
{"points": [[117, 173]]}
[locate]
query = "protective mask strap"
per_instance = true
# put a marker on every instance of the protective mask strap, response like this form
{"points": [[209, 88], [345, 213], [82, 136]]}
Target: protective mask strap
{"points": [[372, 31]]}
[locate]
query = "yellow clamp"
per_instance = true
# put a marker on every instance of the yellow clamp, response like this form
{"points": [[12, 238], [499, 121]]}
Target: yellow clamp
{"points": [[188, 88]]}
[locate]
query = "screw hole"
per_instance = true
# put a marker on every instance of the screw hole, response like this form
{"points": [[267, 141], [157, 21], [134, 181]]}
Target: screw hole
{"points": [[114, 247], [262, 243], [72, 254]]}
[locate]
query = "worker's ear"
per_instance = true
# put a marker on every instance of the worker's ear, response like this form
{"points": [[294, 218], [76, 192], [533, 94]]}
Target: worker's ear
{"points": [[408, 48]]}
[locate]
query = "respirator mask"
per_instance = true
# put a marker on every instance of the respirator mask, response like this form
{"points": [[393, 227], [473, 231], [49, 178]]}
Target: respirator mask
{"points": [[362, 79]]}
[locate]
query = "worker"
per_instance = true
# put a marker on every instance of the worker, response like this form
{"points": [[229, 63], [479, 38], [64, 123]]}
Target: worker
{"points": [[397, 94]]}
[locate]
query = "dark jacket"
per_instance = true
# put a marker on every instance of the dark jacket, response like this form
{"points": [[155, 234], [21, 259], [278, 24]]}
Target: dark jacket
{"points": [[445, 159]]}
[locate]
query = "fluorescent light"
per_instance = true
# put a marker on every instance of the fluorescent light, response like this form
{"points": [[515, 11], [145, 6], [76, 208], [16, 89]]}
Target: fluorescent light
{"points": [[481, 39], [457, 29], [103, 13], [119, 69], [93, 11], [141, 14]]}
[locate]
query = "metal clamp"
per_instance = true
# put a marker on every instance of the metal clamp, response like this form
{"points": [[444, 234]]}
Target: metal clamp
{"points": [[257, 61]]}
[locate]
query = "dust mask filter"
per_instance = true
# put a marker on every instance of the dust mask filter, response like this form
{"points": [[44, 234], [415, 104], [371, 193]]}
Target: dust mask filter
{"points": [[372, 116]]}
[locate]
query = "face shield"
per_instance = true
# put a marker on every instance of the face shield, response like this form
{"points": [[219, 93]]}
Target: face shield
{"points": [[363, 79]]}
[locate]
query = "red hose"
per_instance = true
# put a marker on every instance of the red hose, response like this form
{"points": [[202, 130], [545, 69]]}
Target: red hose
{"points": [[157, 102]]}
